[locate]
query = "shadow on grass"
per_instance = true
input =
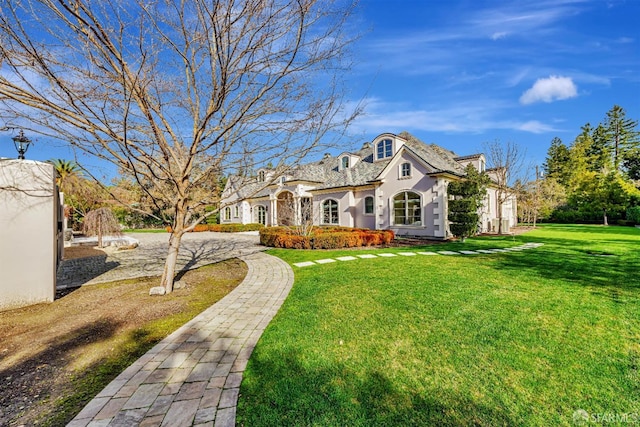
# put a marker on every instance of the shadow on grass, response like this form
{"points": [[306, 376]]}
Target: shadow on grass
{"points": [[609, 270], [335, 396]]}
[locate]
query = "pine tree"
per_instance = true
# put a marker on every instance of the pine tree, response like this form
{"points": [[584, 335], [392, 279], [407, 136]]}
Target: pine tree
{"points": [[621, 134], [557, 163]]}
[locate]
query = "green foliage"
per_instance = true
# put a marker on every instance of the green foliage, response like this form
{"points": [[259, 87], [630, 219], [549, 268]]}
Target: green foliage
{"points": [[556, 165], [468, 195], [633, 214], [598, 173]]}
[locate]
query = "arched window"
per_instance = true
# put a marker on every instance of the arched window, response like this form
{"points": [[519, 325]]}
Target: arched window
{"points": [[262, 215], [384, 149], [368, 205], [345, 162], [236, 211], [407, 209], [330, 212], [405, 170], [261, 176], [227, 214]]}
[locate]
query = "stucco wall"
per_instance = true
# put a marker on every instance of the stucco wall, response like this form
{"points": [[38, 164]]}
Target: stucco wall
{"points": [[29, 232]]}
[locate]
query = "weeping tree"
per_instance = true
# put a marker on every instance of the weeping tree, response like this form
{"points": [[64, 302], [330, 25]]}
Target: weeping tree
{"points": [[101, 222], [176, 93]]}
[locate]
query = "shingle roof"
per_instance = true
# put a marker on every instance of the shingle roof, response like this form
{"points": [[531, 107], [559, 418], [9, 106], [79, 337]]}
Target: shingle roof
{"points": [[326, 173]]}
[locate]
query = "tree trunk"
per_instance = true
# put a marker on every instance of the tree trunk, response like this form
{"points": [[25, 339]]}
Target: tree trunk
{"points": [[604, 214], [499, 218], [99, 231], [177, 232]]}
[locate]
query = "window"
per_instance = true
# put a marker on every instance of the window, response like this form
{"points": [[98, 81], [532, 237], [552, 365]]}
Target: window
{"points": [[345, 162], [384, 149], [405, 170], [407, 209], [283, 179], [368, 205], [262, 215], [261, 176], [236, 211], [227, 214], [330, 212]]}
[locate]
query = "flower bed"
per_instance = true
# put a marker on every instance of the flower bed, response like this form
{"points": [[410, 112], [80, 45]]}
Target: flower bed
{"points": [[226, 228], [324, 238]]}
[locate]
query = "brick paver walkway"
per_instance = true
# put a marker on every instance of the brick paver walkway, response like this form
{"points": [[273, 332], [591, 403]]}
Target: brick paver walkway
{"points": [[192, 377]]}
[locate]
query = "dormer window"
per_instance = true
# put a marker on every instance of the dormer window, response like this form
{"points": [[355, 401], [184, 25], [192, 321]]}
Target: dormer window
{"points": [[283, 179], [345, 162], [261, 176], [384, 149]]}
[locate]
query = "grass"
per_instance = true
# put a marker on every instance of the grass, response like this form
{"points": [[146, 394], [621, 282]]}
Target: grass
{"points": [[522, 338]]}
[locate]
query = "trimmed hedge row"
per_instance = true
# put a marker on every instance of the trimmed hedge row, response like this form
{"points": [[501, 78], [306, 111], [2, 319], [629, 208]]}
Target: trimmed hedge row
{"points": [[225, 228], [324, 238]]}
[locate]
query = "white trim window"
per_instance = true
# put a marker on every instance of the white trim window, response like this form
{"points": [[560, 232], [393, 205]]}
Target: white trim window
{"points": [[368, 205], [384, 149], [227, 214], [330, 212], [261, 213], [405, 170], [407, 209], [236, 211], [261, 176]]}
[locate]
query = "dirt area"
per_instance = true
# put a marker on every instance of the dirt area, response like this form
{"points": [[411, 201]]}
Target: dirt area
{"points": [[73, 252], [49, 352]]}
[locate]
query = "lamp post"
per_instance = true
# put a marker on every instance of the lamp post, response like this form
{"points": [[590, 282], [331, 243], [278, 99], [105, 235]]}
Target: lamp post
{"points": [[22, 144]]}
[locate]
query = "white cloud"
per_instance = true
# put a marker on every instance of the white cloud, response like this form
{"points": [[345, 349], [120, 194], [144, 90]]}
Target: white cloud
{"points": [[471, 117], [534, 126], [551, 89], [499, 35]]}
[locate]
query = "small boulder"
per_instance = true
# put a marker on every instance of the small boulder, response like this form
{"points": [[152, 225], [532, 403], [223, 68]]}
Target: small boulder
{"points": [[157, 290], [180, 284]]}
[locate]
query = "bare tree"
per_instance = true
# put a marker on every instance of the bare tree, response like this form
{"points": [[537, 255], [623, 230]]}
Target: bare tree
{"points": [[174, 93], [506, 163]]}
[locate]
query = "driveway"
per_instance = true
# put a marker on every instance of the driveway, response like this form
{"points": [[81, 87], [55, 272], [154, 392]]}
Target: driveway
{"points": [[196, 250]]}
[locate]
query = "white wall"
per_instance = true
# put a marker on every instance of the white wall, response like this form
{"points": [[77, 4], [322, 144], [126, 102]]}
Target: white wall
{"points": [[29, 232]]}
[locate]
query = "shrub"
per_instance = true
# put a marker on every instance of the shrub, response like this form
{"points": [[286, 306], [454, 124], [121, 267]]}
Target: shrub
{"points": [[324, 238], [225, 228], [633, 214]]}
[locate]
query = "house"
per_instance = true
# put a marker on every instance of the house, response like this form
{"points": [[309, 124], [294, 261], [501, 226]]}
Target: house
{"points": [[394, 182]]}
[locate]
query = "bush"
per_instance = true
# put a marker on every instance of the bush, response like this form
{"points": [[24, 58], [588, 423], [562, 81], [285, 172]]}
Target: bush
{"points": [[633, 214], [225, 228], [324, 238]]}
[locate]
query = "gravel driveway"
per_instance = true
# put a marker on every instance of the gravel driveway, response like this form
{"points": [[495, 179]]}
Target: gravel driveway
{"points": [[197, 249]]}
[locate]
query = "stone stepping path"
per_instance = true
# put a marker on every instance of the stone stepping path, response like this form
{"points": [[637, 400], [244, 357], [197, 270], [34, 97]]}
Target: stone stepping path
{"points": [[520, 248]]}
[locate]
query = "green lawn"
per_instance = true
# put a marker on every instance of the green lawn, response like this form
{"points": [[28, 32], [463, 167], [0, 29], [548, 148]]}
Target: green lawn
{"points": [[522, 338]]}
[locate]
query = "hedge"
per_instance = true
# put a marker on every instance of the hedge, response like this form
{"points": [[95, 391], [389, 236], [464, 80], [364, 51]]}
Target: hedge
{"points": [[324, 238], [225, 228]]}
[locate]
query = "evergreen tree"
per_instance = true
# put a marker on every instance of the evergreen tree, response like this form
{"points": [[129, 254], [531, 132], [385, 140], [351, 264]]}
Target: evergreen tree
{"points": [[468, 195], [557, 163], [599, 154], [621, 134]]}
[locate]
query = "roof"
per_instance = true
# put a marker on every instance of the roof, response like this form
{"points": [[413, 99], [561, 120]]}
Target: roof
{"points": [[327, 174]]}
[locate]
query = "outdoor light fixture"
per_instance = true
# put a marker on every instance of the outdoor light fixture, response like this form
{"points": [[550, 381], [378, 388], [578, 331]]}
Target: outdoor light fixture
{"points": [[22, 144]]}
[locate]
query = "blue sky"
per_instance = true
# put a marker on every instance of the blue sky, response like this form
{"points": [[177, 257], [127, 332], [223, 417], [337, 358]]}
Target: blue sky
{"points": [[462, 72]]}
